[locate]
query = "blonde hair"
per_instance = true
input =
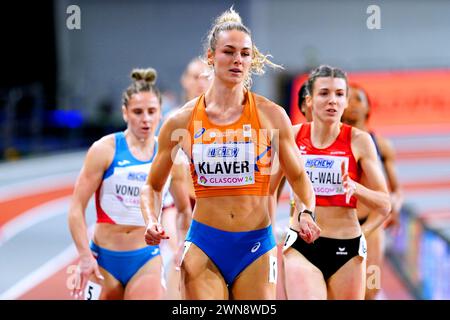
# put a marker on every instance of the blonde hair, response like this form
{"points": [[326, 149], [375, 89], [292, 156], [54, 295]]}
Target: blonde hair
{"points": [[143, 81], [231, 20]]}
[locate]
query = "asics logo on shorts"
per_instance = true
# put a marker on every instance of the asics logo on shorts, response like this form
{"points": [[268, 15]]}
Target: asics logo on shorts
{"points": [[256, 247]]}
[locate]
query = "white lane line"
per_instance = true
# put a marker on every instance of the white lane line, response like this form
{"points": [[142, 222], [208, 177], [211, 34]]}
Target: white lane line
{"points": [[37, 185], [39, 275], [44, 272], [33, 216], [26, 169]]}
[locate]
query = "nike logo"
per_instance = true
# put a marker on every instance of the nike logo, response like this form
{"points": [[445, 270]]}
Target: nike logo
{"points": [[302, 147]]}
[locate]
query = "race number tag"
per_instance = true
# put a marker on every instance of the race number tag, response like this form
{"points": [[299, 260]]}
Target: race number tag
{"points": [[224, 164], [92, 291], [273, 269], [362, 250], [187, 244], [291, 236]]}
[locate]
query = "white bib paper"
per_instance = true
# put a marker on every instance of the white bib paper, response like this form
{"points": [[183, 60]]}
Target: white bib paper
{"points": [[325, 173], [224, 164], [92, 291]]}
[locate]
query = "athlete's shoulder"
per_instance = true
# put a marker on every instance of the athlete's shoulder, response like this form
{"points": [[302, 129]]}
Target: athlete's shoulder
{"points": [[105, 143], [296, 129], [272, 112], [362, 143], [190, 105], [180, 118], [385, 146], [266, 105], [102, 151], [359, 135]]}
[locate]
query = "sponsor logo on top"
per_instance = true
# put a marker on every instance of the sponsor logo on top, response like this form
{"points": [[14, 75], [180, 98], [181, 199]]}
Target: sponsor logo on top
{"points": [[319, 163], [202, 180], [199, 133], [137, 176], [223, 151]]}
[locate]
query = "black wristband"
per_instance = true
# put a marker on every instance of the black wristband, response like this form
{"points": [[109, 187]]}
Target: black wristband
{"points": [[313, 216]]}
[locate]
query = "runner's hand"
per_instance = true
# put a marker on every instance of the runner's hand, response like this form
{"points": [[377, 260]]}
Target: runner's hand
{"points": [[154, 234], [348, 184], [86, 267], [309, 230]]}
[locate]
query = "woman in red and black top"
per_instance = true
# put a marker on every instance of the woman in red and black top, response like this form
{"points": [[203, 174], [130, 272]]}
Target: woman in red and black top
{"points": [[336, 157]]}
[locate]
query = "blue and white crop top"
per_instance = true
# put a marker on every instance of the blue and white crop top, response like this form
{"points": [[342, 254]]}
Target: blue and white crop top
{"points": [[117, 199]]}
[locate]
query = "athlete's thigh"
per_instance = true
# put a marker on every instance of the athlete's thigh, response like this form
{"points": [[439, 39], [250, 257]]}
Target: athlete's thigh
{"points": [[258, 280], [146, 282], [200, 277], [375, 249], [348, 283], [303, 280], [173, 283], [375, 255], [169, 222], [281, 290]]}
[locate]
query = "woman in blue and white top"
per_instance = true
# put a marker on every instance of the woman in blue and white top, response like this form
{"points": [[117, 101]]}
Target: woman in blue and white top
{"points": [[117, 263]]}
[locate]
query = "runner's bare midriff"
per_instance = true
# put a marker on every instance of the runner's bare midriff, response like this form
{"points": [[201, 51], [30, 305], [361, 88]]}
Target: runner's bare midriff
{"points": [[233, 213], [119, 237], [338, 222]]}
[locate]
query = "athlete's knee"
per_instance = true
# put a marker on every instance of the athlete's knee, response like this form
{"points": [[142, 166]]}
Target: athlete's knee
{"points": [[371, 294]]}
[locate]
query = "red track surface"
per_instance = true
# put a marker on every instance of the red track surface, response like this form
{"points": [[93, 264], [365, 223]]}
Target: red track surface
{"points": [[12, 208], [55, 286]]}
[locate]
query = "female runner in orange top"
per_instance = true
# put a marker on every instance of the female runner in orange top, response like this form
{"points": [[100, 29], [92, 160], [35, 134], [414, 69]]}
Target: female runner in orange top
{"points": [[230, 135]]}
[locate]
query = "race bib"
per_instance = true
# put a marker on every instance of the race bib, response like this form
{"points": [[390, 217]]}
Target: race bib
{"points": [[187, 245], [273, 269], [224, 164], [291, 236], [128, 183], [325, 173], [92, 291], [362, 250]]}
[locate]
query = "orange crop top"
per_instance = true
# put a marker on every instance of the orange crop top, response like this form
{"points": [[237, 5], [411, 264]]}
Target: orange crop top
{"points": [[229, 160]]}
